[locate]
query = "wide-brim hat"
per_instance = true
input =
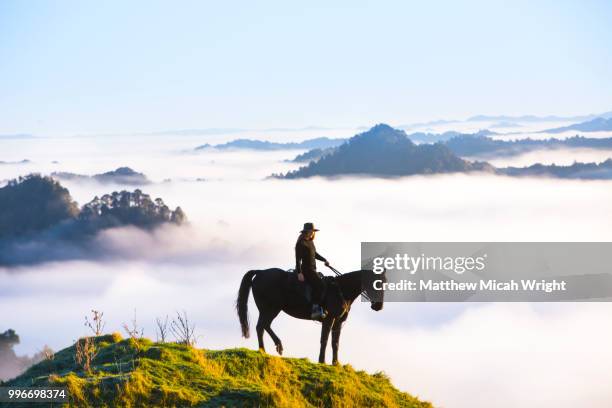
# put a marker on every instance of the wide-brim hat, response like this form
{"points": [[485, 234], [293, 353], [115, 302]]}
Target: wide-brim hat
{"points": [[308, 226]]}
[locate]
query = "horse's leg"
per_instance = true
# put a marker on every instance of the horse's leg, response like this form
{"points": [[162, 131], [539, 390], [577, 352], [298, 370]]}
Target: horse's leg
{"points": [[260, 329], [336, 329], [277, 341], [327, 324]]}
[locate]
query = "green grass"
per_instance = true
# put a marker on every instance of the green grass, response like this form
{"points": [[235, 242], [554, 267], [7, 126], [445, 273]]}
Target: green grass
{"points": [[140, 373]]}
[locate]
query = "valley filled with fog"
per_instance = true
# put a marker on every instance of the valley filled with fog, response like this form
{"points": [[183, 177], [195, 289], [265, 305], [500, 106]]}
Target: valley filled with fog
{"points": [[452, 354]]}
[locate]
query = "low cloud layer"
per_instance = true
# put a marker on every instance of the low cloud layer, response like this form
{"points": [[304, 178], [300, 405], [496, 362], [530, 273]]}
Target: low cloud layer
{"points": [[513, 354], [455, 355]]}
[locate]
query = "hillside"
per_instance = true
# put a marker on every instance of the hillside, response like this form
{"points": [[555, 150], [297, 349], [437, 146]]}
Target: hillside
{"points": [[384, 151], [139, 373], [312, 155], [468, 145], [594, 125]]}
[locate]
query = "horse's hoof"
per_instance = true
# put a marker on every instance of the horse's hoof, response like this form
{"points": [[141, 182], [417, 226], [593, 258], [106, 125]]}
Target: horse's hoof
{"points": [[262, 350], [336, 363], [279, 349]]}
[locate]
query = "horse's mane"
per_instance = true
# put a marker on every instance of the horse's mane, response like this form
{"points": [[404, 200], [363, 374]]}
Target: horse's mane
{"points": [[353, 279]]}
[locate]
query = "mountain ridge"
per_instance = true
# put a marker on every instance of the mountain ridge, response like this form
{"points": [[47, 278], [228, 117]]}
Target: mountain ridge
{"points": [[471, 144], [121, 175], [256, 144], [385, 151], [577, 170], [598, 124]]}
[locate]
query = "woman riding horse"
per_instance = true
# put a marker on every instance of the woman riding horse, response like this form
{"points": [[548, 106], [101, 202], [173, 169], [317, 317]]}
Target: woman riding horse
{"points": [[275, 290]]}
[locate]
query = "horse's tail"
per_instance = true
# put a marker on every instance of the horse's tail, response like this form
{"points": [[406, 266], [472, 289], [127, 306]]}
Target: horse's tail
{"points": [[242, 306]]}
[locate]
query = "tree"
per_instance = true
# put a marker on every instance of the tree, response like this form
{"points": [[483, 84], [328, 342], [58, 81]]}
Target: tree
{"points": [[130, 208], [178, 216], [11, 365], [8, 339]]}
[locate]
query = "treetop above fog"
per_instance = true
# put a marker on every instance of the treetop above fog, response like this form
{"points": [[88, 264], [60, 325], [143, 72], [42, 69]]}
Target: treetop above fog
{"points": [[34, 203]]}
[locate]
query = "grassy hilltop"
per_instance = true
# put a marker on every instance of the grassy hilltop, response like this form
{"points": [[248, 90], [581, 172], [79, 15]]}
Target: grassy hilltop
{"points": [[140, 373]]}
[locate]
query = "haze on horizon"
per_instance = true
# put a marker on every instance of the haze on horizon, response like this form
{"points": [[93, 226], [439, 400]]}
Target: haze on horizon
{"points": [[72, 68]]}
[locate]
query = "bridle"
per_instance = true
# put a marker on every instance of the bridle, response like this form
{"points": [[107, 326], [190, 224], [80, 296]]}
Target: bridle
{"points": [[338, 273]]}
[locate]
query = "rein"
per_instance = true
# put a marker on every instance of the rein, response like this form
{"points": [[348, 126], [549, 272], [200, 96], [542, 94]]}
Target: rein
{"points": [[338, 273]]}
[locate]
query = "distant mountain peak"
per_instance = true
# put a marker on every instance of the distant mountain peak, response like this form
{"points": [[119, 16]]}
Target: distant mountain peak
{"points": [[123, 171], [381, 127], [381, 133]]}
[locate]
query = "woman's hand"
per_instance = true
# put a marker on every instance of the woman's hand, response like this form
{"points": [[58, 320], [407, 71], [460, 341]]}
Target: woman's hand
{"points": [[301, 277], [327, 264]]}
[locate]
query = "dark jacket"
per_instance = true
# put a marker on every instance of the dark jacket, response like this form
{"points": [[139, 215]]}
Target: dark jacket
{"points": [[305, 257]]}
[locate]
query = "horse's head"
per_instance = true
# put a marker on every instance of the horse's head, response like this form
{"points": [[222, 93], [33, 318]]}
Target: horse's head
{"points": [[372, 281]]}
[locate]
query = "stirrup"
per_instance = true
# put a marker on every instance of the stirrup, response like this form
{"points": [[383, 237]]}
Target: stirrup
{"points": [[318, 313]]}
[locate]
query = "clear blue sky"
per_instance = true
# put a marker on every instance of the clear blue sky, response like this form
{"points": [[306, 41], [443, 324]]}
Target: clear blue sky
{"points": [[121, 66]]}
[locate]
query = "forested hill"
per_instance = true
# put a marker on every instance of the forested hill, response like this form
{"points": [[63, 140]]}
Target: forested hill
{"points": [[39, 211], [385, 151], [36, 203]]}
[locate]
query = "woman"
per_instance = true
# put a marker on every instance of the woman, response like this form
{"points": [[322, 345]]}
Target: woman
{"points": [[306, 267]]}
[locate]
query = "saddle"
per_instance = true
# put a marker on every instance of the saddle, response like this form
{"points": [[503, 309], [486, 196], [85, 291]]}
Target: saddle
{"points": [[304, 290]]}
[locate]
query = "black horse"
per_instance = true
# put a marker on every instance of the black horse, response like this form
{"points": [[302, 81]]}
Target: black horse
{"points": [[275, 290]]}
